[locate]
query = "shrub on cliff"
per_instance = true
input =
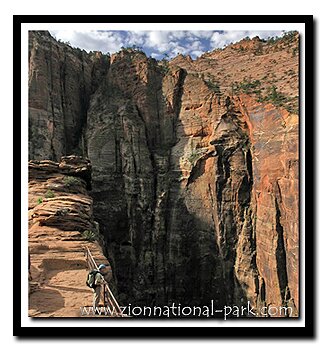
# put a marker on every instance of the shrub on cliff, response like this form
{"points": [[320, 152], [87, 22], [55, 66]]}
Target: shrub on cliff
{"points": [[71, 181], [214, 86], [194, 156], [49, 194], [275, 97], [89, 235], [247, 86]]}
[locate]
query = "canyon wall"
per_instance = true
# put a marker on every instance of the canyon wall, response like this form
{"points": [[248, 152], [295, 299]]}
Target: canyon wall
{"points": [[195, 189], [60, 82]]}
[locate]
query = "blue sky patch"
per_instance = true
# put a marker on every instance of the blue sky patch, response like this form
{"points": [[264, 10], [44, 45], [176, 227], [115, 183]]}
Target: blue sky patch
{"points": [[158, 44]]}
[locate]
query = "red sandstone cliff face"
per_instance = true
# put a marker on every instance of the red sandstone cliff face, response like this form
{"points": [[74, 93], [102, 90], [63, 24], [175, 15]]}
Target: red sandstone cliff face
{"points": [[195, 188], [274, 138], [272, 63], [60, 213]]}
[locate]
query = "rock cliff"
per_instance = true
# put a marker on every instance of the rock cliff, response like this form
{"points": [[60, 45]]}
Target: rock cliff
{"points": [[61, 80], [194, 173], [61, 226]]}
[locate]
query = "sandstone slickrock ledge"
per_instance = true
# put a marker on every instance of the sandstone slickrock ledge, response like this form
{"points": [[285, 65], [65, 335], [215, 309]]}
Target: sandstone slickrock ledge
{"points": [[60, 214], [194, 186]]}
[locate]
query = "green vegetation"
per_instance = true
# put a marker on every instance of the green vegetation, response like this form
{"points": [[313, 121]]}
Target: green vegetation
{"points": [[89, 235], [71, 181], [62, 211], [290, 72], [271, 95], [195, 155], [164, 66], [290, 35], [39, 200], [279, 99], [259, 50], [212, 84], [287, 38], [275, 97], [132, 49], [64, 42], [49, 194], [247, 86], [295, 51]]}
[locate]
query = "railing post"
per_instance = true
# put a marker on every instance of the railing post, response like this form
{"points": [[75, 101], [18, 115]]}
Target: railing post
{"points": [[104, 294]]}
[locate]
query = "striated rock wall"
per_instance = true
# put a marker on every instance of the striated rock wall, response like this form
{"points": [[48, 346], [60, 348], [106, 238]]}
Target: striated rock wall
{"points": [[195, 190], [60, 215], [274, 137], [61, 80]]}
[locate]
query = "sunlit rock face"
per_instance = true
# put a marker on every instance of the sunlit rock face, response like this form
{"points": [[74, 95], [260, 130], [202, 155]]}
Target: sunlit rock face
{"points": [[194, 183]]}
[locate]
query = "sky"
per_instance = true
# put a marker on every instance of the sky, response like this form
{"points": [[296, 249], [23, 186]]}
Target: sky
{"points": [[157, 44]]}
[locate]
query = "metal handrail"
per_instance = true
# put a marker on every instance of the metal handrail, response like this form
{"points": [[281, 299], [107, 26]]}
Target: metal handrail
{"points": [[108, 295]]}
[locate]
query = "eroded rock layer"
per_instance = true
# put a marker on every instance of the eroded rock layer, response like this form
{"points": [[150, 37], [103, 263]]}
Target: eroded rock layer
{"points": [[61, 226], [195, 189]]}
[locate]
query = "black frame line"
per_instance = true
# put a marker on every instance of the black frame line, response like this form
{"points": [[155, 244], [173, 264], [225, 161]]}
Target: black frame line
{"points": [[182, 332]]}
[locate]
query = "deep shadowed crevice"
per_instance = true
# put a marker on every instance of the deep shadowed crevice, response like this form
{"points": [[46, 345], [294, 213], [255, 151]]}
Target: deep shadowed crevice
{"points": [[281, 256], [197, 171], [249, 164]]}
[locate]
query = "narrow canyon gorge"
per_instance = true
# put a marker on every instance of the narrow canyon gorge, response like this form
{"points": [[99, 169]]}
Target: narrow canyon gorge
{"points": [[187, 170]]}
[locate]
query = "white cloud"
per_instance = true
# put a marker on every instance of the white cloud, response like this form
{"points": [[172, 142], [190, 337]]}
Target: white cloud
{"points": [[178, 49], [155, 55], [105, 41], [220, 39], [64, 35], [196, 53], [203, 34], [136, 38], [179, 34], [158, 38], [157, 43], [196, 45]]}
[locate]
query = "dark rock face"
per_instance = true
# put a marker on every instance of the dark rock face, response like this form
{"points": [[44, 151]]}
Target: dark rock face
{"points": [[196, 192], [61, 80]]}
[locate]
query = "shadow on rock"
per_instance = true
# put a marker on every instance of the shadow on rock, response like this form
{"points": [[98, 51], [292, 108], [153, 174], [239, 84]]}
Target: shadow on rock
{"points": [[45, 301]]}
